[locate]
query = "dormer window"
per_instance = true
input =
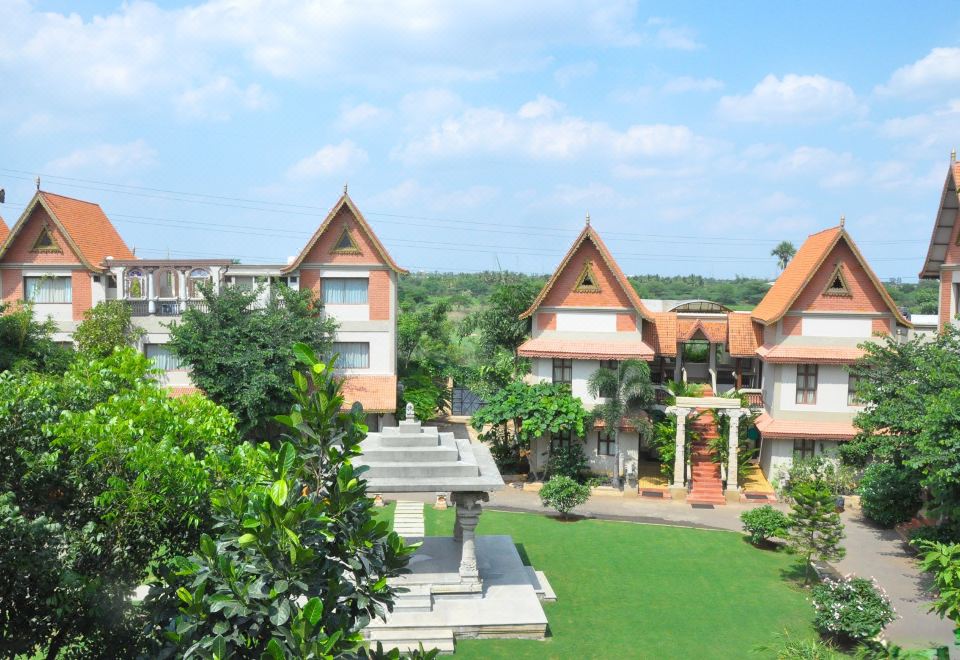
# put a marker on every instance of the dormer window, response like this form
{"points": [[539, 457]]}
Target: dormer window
{"points": [[587, 282], [345, 244], [837, 284], [45, 242]]}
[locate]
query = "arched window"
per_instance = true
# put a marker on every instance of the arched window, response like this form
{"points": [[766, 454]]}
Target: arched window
{"points": [[136, 284], [197, 277], [167, 283]]}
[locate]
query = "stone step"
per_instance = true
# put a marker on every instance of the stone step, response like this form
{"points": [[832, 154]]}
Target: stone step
{"points": [[401, 441], [397, 470], [409, 639], [433, 453], [540, 585]]}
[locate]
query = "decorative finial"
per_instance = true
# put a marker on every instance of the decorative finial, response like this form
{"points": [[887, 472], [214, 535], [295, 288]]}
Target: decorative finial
{"points": [[843, 220], [411, 415], [588, 218], [344, 187], [953, 155], [37, 181]]}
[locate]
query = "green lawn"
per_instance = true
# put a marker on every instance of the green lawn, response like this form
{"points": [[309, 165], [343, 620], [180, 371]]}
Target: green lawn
{"points": [[644, 591]]}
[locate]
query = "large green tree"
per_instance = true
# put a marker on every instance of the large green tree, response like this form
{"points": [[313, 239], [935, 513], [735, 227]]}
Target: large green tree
{"points": [[26, 343], [106, 326], [784, 253], [912, 412], [239, 349], [815, 530], [498, 325]]}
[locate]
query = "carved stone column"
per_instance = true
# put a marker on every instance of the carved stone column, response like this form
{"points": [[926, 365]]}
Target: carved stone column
{"points": [[679, 459], [468, 515], [733, 492]]}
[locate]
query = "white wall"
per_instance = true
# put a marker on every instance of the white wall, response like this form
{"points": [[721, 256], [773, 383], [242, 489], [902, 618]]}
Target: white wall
{"points": [[629, 446], [832, 384], [61, 313], [348, 312], [381, 352], [827, 326], [776, 456], [586, 322]]}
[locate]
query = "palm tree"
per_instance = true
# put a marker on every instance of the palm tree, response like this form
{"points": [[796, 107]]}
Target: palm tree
{"points": [[784, 253], [626, 391]]}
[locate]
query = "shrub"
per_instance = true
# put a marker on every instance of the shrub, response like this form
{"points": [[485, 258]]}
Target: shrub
{"points": [[890, 494], [945, 532], [568, 461], [564, 494], [763, 523], [789, 647], [852, 609]]}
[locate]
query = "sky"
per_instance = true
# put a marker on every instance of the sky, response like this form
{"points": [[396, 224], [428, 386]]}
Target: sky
{"points": [[477, 135]]}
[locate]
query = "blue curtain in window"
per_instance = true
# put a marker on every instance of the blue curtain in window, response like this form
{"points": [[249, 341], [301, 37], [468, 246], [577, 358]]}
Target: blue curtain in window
{"points": [[49, 289], [345, 291], [353, 354]]}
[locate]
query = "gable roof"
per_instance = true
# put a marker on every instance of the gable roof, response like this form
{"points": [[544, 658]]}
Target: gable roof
{"points": [[345, 201], [87, 229], [801, 269], [591, 234], [943, 225]]}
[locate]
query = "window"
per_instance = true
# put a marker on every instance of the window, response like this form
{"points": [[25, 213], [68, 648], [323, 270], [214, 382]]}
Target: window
{"points": [[807, 383], [48, 289], [563, 371], [587, 282], [837, 284], [197, 277], [560, 440], [804, 448], [166, 281], [852, 399], [611, 389], [352, 354], [344, 291], [162, 357], [45, 242], [136, 284], [605, 443], [345, 244]]}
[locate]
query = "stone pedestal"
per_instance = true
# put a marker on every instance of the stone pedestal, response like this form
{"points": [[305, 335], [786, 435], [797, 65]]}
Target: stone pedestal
{"points": [[468, 515]]}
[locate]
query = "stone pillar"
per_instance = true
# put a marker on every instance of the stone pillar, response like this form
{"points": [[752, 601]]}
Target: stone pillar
{"points": [[733, 492], [468, 515], [151, 302], [678, 488]]}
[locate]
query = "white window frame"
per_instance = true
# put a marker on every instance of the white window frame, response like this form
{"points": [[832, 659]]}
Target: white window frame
{"points": [[30, 292]]}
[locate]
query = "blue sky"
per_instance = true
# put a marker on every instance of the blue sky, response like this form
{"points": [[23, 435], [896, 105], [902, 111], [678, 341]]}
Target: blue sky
{"points": [[477, 135]]}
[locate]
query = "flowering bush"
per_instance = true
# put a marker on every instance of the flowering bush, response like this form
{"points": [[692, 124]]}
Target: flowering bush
{"points": [[851, 608]]}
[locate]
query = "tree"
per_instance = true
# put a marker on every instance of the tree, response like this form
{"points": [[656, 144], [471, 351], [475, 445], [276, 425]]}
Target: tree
{"points": [[912, 392], [106, 326], [299, 565], [498, 325], [104, 474], [784, 253], [943, 561], [564, 494], [26, 343], [521, 412], [423, 337], [627, 391], [890, 494], [815, 527], [239, 350]]}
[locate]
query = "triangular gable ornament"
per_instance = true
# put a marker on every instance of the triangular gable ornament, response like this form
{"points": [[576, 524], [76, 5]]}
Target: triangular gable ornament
{"points": [[837, 284], [587, 282], [345, 244], [45, 242]]}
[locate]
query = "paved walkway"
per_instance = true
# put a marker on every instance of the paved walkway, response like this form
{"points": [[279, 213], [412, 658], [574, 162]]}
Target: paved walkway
{"points": [[871, 552]]}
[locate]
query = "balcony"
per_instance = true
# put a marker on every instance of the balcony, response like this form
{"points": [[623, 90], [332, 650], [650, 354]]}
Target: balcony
{"points": [[164, 307], [754, 398]]}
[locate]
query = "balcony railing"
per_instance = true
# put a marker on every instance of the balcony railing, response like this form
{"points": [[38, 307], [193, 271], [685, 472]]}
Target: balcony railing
{"points": [[139, 307], [164, 307], [754, 397]]}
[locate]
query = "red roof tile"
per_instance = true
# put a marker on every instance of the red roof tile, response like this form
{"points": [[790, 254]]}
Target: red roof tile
{"points": [[714, 331], [744, 335], [183, 390], [591, 234], [661, 333], [790, 428], [781, 354], [347, 202], [585, 349], [377, 394]]}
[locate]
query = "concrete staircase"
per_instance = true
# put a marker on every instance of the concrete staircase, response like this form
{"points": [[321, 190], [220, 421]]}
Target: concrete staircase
{"points": [[707, 487], [408, 520]]}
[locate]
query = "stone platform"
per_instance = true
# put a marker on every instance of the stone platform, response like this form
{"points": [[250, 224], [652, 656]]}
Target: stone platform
{"points": [[439, 609]]}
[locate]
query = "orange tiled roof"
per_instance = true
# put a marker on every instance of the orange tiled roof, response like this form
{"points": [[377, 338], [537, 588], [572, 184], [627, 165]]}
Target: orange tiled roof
{"points": [[744, 335], [86, 227], [790, 428], [661, 333], [781, 354], [591, 233], [183, 390], [377, 394], [626, 424], [936, 252], [803, 267], [714, 331], [585, 349], [4, 230], [345, 201]]}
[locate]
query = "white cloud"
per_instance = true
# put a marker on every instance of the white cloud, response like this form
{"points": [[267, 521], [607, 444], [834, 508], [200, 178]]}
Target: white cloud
{"points": [[830, 168], [938, 128], [664, 34], [428, 104], [352, 116], [114, 158], [794, 98], [218, 98], [328, 160], [566, 74], [688, 84], [938, 71], [537, 132], [412, 194]]}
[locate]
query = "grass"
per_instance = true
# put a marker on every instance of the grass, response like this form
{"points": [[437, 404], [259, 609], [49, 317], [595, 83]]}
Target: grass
{"points": [[645, 591]]}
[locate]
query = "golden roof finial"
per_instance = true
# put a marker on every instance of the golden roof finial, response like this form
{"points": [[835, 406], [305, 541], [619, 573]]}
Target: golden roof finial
{"points": [[843, 220]]}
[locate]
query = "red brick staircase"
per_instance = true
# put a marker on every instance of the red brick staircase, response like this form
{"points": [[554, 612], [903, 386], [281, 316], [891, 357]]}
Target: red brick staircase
{"points": [[707, 487]]}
